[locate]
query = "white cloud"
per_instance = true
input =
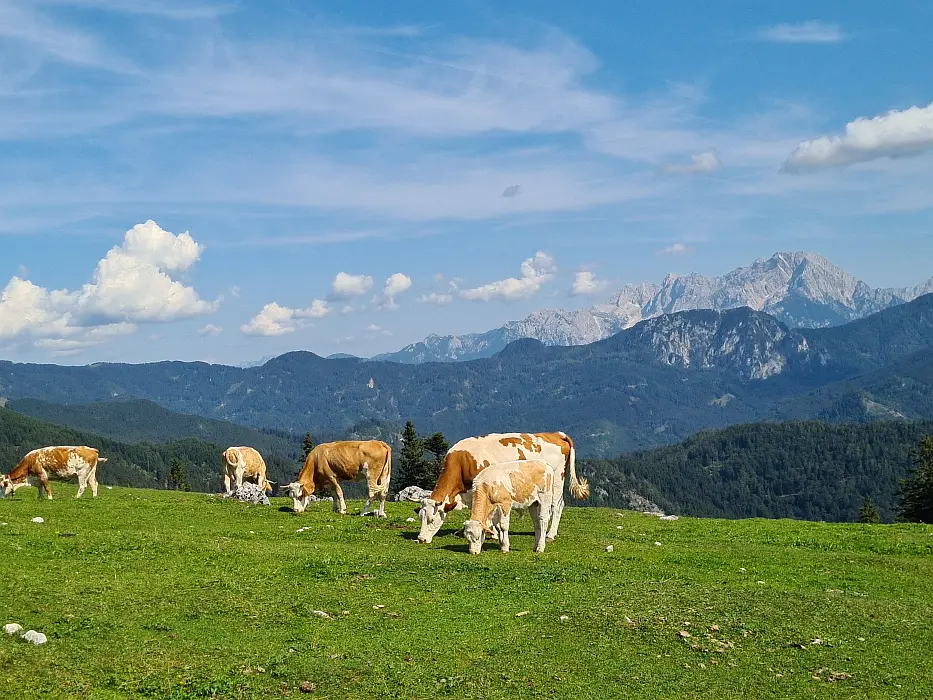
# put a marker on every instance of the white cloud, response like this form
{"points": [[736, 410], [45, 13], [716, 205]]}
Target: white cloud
{"points": [[812, 32], [374, 330], [705, 162], [585, 284], [130, 285], [395, 285], [436, 298], [346, 286], [210, 329], [897, 133], [676, 249], [274, 319], [235, 291], [535, 272]]}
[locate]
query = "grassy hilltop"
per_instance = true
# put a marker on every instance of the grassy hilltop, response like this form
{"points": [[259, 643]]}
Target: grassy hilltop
{"points": [[181, 595]]}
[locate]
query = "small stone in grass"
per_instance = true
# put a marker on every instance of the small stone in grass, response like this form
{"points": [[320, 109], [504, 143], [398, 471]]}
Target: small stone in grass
{"points": [[378, 607], [684, 634], [609, 548], [321, 613], [657, 544], [307, 687], [714, 628], [522, 613], [628, 620], [38, 520], [13, 628], [564, 618], [36, 638]]}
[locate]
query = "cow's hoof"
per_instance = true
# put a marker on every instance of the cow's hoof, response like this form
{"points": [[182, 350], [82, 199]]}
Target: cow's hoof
{"points": [[548, 539]]}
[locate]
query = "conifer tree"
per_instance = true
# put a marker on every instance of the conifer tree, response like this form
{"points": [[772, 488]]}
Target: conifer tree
{"points": [[868, 513], [177, 477], [916, 498]]}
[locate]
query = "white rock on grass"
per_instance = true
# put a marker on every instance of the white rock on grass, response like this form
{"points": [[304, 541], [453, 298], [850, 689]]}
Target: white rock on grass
{"points": [[13, 628], [38, 520], [609, 548], [668, 517], [36, 638]]}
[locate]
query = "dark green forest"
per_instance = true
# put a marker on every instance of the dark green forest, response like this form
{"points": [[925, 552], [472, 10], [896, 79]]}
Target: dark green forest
{"points": [[806, 470], [141, 464]]}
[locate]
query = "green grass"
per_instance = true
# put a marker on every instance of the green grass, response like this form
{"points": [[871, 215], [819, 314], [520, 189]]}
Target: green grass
{"points": [[170, 595]]}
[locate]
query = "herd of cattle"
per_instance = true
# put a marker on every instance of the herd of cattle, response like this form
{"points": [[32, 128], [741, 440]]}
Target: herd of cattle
{"points": [[491, 474]]}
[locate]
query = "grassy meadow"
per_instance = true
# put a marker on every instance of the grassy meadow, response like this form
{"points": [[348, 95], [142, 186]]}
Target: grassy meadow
{"points": [[182, 595]]}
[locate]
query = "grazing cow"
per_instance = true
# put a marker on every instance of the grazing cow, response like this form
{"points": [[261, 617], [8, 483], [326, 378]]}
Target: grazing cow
{"points": [[351, 460], [244, 463], [60, 463], [497, 489], [470, 456]]}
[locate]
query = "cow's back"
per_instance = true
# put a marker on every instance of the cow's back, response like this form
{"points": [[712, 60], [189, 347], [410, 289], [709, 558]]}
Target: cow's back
{"points": [[345, 458]]}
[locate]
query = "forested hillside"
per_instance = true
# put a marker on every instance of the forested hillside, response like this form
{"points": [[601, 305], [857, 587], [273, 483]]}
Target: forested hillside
{"points": [[141, 464], [140, 420], [808, 470]]}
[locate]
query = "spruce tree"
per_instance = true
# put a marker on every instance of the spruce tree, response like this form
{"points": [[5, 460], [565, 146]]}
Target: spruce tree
{"points": [[916, 498], [437, 445], [177, 478], [412, 467], [307, 444], [868, 513]]}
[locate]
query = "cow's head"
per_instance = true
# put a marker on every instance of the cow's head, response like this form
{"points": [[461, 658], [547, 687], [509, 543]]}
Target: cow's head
{"points": [[475, 534], [300, 500], [432, 514], [6, 486]]}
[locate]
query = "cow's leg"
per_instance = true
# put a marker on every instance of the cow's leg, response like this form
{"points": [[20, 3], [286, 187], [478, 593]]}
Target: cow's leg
{"points": [[227, 488], [504, 514], [92, 480], [381, 513], [240, 470], [556, 509], [44, 484], [539, 515], [366, 505], [340, 505], [82, 483]]}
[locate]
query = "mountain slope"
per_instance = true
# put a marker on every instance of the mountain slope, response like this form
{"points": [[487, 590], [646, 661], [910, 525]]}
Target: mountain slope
{"points": [[655, 383], [799, 289], [805, 470], [141, 420]]}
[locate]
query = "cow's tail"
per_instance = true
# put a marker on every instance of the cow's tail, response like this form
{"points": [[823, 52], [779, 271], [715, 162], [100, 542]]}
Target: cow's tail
{"points": [[386, 475], [579, 488]]}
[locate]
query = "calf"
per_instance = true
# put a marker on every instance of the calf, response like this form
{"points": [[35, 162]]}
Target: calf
{"points": [[244, 463], [60, 463], [500, 488], [470, 456], [350, 460]]}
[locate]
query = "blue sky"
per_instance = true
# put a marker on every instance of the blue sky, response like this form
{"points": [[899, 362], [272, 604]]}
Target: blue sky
{"points": [[350, 179]]}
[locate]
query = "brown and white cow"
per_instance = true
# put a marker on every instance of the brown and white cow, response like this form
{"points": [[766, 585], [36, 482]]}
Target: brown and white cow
{"points": [[499, 488], [244, 463], [470, 456], [60, 463], [350, 460]]}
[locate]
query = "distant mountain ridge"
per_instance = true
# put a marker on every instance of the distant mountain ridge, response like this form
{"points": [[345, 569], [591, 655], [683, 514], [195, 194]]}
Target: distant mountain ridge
{"points": [[802, 290], [655, 383]]}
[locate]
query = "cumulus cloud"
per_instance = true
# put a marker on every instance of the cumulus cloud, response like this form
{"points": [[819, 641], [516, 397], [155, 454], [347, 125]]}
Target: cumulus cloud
{"points": [[210, 329], [705, 162], [129, 286], [346, 286], [676, 249], [395, 285], [535, 272], [898, 133], [813, 32], [275, 319], [585, 284]]}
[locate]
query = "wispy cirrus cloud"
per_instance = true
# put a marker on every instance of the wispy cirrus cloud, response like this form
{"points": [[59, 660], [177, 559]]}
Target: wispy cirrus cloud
{"points": [[811, 32], [676, 249], [705, 162]]}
